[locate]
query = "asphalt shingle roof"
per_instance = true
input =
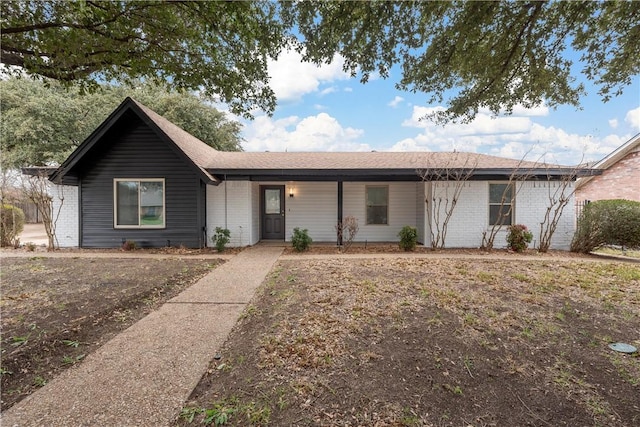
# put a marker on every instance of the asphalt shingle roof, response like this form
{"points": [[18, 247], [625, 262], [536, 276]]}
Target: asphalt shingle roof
{"points": [[362, 160], [210, 159]]}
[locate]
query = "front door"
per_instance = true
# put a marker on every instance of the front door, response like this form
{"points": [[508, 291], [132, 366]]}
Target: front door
{"points": [[272, 211]]}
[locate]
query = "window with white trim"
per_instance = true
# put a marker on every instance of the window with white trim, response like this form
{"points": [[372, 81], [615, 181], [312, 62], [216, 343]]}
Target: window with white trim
{"points": [[377, 199], [501, 204], [138, 203]]}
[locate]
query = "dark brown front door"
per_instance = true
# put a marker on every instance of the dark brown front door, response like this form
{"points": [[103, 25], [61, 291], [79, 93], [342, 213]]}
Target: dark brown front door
{"points": [[272, 211]]}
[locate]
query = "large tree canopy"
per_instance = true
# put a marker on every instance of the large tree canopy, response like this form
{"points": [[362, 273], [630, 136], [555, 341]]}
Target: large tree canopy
{"points": [[219, 47], [479, 54], [42, 124], [469, 55]]}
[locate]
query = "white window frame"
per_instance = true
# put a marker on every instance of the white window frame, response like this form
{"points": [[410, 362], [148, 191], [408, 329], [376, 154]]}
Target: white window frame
{"points": [[139, 226], [512, 203], [366, 207]]}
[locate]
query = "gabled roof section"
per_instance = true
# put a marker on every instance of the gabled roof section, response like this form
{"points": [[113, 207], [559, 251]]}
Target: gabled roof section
{"points": [[633, 144], [191, 149], [619, 153]]}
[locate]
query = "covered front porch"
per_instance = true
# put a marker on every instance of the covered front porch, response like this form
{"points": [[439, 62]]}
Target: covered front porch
{"points": [[256, 211]]}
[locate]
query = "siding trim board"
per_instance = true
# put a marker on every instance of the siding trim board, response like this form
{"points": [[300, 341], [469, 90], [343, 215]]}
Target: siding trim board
{"points": [[363, 175]]}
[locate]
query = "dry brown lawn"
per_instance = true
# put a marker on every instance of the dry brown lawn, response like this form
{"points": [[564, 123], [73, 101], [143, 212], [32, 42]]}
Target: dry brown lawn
{"points": [[55, 311], [431, 342]]}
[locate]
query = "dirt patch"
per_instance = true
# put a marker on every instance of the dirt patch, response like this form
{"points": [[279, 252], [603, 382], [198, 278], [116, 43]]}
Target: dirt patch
{"points": [[169, 250], [431, 342], [394, 248], [56, 311]]}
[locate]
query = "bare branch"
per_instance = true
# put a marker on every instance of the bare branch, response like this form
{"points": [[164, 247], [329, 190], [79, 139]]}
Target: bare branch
{"points": [[444, 202]]}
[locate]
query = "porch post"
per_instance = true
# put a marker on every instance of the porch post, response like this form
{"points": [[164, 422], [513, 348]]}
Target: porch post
{"points": [[339, 210]]}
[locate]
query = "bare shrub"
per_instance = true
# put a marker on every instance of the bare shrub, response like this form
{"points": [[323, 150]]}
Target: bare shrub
{"points": [[347, 231], [454, 174]]}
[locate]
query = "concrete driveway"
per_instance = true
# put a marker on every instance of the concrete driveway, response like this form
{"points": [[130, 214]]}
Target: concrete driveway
{"points": [[34, 233]]}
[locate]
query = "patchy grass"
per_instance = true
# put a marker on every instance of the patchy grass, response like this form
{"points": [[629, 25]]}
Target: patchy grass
{"points": [[56, 311], [431, 342]]}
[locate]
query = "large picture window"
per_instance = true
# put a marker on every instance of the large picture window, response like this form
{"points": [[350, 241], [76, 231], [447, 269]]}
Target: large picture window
{"points": [[377, 205], [138, 203], [500, 204]]}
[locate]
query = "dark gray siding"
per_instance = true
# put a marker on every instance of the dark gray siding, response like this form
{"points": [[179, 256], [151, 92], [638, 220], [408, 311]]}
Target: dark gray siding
{"points": [[133, 150]]}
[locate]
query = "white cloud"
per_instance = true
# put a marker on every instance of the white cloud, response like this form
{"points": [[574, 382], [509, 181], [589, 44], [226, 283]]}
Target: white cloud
{"points": [[291, 78], [540, 110], [313, 133], [633, 118], [513, 136], [396, 101], [613, 123], [320, 107], [483, 123], [410, 144], [327, 91]]}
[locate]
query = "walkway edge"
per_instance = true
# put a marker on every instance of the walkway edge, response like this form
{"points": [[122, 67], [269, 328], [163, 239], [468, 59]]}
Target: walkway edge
{"points": [[144, 375]]}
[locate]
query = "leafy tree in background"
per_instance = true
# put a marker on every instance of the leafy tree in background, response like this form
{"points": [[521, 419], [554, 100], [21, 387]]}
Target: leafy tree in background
{"points": [[469, 55], [219, 47], [42, 123]]}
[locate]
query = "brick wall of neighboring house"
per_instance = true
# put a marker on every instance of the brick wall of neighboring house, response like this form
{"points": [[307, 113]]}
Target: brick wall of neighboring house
{"points": [[619, 181]]}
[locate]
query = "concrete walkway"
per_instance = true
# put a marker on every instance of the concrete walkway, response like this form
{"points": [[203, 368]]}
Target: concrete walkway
{"points": [[143, 376]]}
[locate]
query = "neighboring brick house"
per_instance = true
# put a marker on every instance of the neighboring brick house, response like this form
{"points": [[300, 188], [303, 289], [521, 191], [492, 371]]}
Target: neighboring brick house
{"points": [[620, 177]]}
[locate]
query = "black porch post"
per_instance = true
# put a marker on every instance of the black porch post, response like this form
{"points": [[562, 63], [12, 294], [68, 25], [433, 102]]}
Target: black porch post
{"points": [[340, 210]]}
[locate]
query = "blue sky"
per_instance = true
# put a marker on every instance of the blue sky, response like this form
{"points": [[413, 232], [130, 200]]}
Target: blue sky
{"points": [[323, 109]]}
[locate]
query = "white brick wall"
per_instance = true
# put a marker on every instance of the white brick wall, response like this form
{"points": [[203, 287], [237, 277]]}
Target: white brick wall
{"points": [[235, 214], [255, 213], [421, 213], [65, 202], [402, 211], [314, 207], [531, 204], [471, 215]]}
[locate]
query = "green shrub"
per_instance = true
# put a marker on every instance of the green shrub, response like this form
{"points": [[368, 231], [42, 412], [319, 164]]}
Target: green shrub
{"points": [[11, 225], [607, 222], [221, 237], [408, 238], [519, 237], [301, 240]]}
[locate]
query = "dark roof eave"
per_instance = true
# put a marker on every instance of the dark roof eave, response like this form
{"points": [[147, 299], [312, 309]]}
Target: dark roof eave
{"points": [[395, 174], [39, 170]]}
